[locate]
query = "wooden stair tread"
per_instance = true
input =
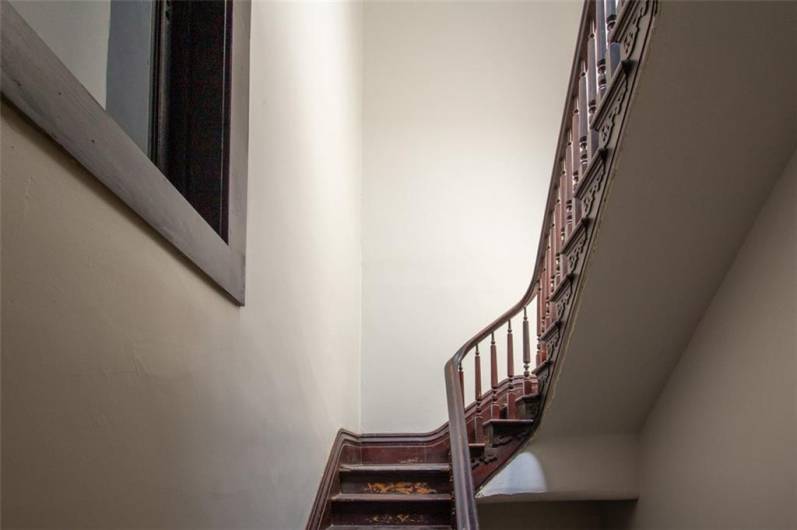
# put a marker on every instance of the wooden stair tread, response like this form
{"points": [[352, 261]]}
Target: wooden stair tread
{"points": [[391, 497], [500, 422], [395, 468], [387, 527]]}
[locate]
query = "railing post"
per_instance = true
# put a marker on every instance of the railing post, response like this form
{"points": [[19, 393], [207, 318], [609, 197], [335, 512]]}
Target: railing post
{"points": [[568, 178], [478, 435], [495, 410], [600, 45], [613, 50], [583, 125], [574, 149], [526, 353], [510, 371], [592, 93]]}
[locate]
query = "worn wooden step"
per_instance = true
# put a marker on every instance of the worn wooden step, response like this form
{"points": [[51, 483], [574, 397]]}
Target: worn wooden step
{"points": [[528, 407], [430, 468], [387, 527], [476, 449], [498, 430], [391, 509], [403, 479], [391, 498]]}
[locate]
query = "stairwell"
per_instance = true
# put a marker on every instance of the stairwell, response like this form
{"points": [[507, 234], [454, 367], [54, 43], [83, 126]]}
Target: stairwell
{"points": [[428, 481], [404, 480]]}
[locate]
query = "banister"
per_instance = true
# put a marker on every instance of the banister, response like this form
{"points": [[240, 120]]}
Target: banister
{"points": [[464, 501], [465, 504]]}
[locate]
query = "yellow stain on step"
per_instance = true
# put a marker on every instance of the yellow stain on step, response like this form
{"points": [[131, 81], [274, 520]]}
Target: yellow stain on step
{"points": [[406, 488]]}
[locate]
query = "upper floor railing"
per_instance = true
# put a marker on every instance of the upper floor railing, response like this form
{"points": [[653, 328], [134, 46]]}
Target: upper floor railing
{"points": [[597, 61]]}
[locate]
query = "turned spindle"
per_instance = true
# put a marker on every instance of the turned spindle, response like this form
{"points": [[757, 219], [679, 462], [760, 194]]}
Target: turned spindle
{"points": [[494, 407]]}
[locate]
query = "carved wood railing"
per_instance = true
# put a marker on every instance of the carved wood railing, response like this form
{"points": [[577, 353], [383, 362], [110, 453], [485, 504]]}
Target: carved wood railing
{"points": [[602, 77]]}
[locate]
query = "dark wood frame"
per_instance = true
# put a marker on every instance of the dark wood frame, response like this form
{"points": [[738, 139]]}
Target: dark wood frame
{"points": [[36, 82]]}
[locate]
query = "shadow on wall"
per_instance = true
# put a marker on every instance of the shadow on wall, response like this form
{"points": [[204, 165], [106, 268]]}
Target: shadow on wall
{"points": [[572, 515]]}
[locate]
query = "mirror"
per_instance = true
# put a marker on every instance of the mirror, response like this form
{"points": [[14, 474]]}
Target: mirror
{"points": [[108, 45]]}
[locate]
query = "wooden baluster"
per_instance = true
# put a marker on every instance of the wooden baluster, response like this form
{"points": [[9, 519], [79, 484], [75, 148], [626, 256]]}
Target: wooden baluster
{"points": [[543, 289], [551, 274], [540, 350], [510, 351], [567, 217], [556, 228], [478, 433], [613, 50], [600, 45], [510, 372], [569, 180], [526, 353], [461, 381], [583, 125], [592, 94], [574, 153], [539, 302], [611, 14], [495, 410], [477, 371]]}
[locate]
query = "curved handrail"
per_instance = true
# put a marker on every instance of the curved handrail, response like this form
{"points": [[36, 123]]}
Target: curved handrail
{"points": [[465, 506], [602, 60]]}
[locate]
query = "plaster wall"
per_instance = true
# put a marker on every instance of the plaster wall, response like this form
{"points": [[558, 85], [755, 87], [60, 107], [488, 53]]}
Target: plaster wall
{"points": [[134, 393], [462, 105]]}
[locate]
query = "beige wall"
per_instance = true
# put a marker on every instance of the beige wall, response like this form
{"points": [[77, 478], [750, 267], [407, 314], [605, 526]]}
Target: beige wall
{"points": [[719, 450], [134, 393], [461, 110]]}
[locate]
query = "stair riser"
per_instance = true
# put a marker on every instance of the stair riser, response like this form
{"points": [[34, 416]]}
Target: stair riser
{"points": [[376, 513], [404, 455], [415, 484]]}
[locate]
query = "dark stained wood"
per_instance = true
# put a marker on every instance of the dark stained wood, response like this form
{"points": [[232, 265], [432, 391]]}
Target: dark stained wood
{"points": [[510, 351], [495, 408], [363, 467], [583, 114], [613, 51], [477, 370], [526, 344], [510, 371], [592, 93], [600, 45], [580, 172]]}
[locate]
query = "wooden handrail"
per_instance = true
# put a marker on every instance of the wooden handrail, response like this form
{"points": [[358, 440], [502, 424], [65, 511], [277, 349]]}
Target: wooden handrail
{"points": [[595, 60]]}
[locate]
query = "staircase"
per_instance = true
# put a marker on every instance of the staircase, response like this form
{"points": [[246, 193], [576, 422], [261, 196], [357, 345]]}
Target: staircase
{"points": [[404, 481], [428, 481]]}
